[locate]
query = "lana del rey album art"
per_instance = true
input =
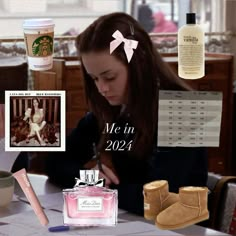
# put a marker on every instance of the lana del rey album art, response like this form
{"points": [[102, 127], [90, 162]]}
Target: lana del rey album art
{"points": [[35, 120]]}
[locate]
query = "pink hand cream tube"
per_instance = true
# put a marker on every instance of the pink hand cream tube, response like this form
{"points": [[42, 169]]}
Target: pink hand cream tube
{"points": [[24, 182]]}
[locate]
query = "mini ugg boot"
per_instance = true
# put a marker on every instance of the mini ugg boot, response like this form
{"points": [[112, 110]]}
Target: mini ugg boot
{"points": [[157, 198], [191, 209]]}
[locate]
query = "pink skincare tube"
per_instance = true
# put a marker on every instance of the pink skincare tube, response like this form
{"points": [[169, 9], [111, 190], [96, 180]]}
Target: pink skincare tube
{"points": [[24, 182]]}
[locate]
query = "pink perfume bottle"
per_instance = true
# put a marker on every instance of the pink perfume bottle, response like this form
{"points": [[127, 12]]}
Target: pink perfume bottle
{"points": [[89, 203]]}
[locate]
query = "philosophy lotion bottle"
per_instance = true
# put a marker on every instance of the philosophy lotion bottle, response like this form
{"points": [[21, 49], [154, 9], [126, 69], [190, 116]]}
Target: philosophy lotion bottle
{"points": [[191, 49], [89, 203]]}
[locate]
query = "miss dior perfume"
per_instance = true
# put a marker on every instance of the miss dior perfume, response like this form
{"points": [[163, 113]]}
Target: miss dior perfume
{"points": [[89, 203]]}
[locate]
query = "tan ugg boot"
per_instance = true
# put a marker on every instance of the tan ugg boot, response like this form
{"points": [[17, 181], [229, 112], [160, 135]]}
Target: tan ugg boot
{"points": [[191, 209], [157, 198]]}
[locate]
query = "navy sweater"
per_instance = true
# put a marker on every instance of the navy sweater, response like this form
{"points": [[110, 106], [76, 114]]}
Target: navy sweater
{"points": [[180, 166]]}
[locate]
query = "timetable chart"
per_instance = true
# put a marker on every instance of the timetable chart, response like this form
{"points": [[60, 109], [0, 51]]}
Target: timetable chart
{"points": [[189, 118]]}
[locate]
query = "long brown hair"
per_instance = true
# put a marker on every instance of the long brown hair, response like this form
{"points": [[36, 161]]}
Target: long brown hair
{"points": [[147, 74], [32, 105]]}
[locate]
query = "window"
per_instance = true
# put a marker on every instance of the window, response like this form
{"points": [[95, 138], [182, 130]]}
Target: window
{"points": [[157, 16], [70, 16]]}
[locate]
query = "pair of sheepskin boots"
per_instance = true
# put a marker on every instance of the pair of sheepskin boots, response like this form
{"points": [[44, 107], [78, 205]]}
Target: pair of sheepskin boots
{"points": [[171, 210]]}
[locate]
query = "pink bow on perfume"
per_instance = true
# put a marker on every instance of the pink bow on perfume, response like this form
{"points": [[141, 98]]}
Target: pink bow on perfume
{"points": [[98, 183], [129, 44]]}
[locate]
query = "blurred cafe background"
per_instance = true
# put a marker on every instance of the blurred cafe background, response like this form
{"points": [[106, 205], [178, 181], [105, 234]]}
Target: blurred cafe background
{"points": [[160, 18]]}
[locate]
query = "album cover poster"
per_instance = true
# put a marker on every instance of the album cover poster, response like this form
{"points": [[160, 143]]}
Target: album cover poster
{"points": [[35, 120]]}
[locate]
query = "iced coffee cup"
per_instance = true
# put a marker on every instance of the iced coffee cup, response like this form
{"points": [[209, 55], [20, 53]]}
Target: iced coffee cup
{"points": [[6, 188], [38, 34]]}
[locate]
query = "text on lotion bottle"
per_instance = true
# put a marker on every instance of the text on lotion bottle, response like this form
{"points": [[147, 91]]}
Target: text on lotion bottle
{"points": [[191, 49]]}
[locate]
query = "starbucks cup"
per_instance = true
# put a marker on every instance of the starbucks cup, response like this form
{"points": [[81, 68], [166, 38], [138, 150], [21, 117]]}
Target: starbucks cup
{"points": [[38, 34]]}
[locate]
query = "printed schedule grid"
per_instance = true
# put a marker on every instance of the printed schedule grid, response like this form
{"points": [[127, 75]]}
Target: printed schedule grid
{"points": [[189, 118]]}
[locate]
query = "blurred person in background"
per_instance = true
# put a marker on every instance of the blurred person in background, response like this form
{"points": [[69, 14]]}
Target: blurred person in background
{"points": [[145, 17], [162, 24]]}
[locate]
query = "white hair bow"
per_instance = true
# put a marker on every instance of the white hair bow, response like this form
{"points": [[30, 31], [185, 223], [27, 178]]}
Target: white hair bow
{"points": [[129, 44]]}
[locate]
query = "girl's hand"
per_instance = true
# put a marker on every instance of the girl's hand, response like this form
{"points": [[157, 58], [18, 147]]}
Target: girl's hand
{"points": [[107, 174], [105, 167]]}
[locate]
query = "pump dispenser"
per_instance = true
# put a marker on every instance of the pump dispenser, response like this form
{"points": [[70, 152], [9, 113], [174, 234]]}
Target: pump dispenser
{"points": [[191, 49]]}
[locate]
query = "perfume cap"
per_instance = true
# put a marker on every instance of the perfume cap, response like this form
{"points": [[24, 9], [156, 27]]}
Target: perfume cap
{"points": [[89, 178], [191, 18]]}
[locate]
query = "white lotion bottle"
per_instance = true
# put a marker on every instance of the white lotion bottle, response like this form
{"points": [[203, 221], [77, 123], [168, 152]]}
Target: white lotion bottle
{"points": [[191, 49]]}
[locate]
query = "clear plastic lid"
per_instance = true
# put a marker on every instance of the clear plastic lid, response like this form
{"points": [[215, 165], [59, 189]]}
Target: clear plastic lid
{"points": [[38, 23]]}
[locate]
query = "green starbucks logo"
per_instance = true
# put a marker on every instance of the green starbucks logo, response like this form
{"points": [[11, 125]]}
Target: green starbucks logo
{"points": [[43, 46]]}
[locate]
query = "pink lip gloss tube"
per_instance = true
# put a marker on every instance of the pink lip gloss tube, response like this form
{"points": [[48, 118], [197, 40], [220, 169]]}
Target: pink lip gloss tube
{"points": [[24, 182]]}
